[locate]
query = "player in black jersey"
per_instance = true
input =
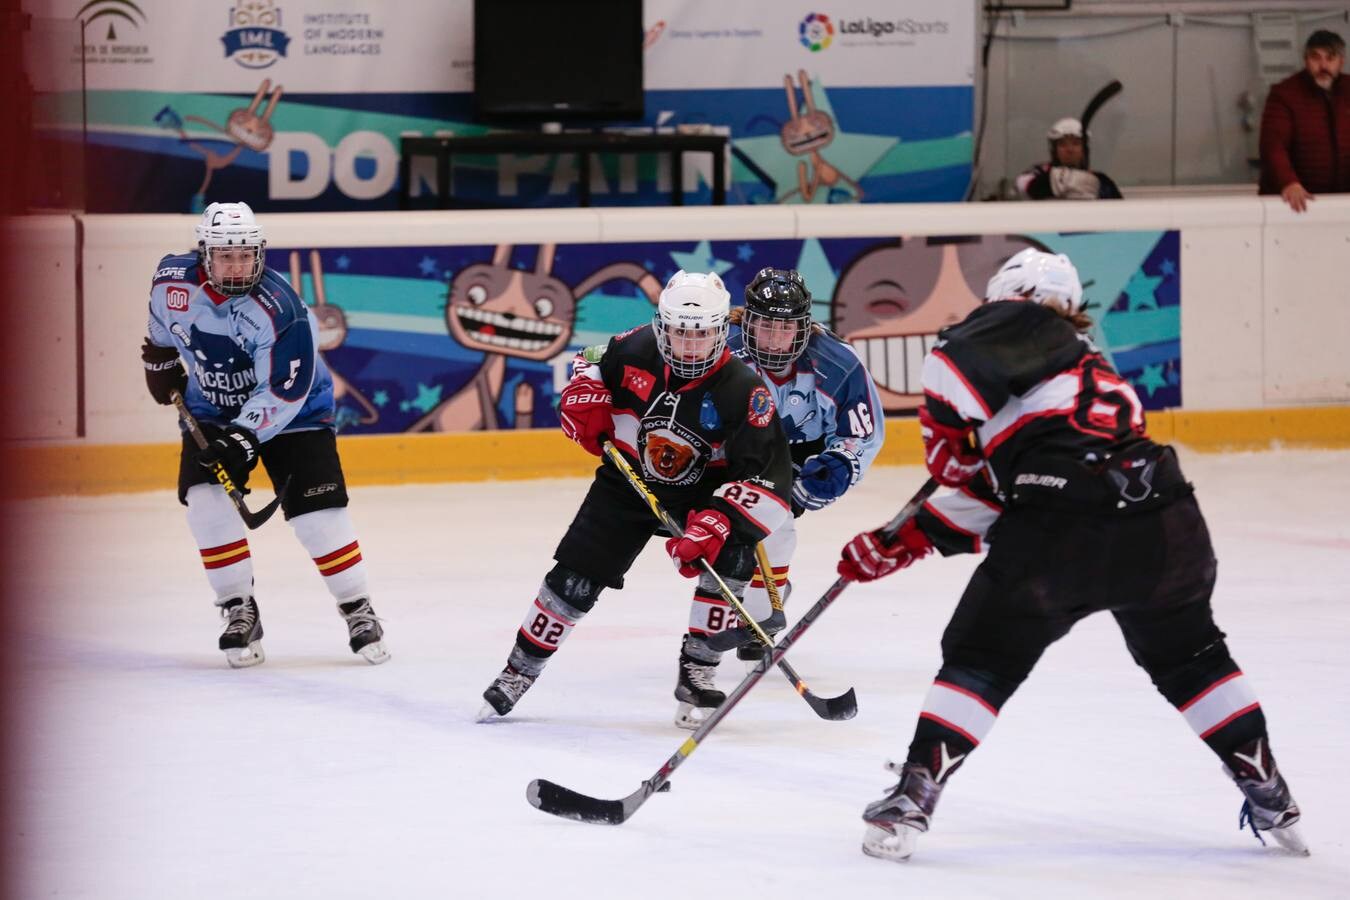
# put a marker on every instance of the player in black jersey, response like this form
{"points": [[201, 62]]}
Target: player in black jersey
{"points": [[703, 431], [1082, 513]]}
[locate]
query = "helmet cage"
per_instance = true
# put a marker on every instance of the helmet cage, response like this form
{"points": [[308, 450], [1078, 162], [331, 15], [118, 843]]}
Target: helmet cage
{"points": [[230, 226], [755, 326]]}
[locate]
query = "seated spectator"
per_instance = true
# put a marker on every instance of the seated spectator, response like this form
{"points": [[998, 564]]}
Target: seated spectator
{"points": [[1305, 127], [1066, 176]]}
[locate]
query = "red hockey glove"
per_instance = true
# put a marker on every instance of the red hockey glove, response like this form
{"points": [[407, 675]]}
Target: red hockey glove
{"points": [[704, 534], [584, 412], [866, 558], [947, 451]]}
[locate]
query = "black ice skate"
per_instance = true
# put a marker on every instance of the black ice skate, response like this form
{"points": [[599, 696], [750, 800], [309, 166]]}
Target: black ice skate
{"points": [[895, 822], [366, 637], [1269, 807], [242, 637], [696, 691], [504, 693]]}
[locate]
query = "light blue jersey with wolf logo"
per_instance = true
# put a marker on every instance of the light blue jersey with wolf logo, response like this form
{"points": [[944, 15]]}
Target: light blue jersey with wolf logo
{"points": [[251, 360]]}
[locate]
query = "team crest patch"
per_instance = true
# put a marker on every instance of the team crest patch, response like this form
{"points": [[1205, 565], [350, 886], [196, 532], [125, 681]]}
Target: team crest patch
{"points": [[177, 298], [761, 407]]}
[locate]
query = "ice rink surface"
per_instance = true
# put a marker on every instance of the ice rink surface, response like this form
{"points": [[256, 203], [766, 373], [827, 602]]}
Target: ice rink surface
{"points": [[152, 770]]}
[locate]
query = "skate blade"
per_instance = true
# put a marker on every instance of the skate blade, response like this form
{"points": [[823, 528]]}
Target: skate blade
{"points": [[487, 713], [243, 657], [690, 717], [1290, 840], [897, 846], [374, 653]]}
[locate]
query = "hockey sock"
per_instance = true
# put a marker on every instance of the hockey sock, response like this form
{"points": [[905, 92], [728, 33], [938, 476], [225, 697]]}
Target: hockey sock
{"points": [[329, 537], [219, 533], [1215, 698], [960, 709], [757, 600], [563, 599]]}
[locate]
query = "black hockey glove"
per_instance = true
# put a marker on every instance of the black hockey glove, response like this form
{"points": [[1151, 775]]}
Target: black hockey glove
{"points": [[234, 448], [164, 372]]}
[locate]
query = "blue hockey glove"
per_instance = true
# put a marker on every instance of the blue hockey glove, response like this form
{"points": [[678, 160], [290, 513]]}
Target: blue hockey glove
{"points": [[824, 478]]}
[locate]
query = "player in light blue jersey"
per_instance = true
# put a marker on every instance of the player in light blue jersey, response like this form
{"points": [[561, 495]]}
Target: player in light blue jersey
{"points": [[256, 383], [828, 403]]}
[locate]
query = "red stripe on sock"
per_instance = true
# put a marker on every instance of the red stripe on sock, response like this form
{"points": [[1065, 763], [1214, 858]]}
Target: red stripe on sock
{"points": [[945, 724], [1200, 696], [223, 548], [1237, 715]]}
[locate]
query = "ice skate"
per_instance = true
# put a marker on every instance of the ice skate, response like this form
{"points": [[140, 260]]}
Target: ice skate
{"points": [[696, 692], [1269, 808], [895, 822], [242, 637], [366, 637], [504, 693]]}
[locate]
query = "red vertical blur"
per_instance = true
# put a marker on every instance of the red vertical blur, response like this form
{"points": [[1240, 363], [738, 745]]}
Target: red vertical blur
{"points": [[16, 118]]}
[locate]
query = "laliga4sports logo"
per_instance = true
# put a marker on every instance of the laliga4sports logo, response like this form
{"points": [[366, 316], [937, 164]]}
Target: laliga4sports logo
{"points": [[255, 39], [815, 32]]}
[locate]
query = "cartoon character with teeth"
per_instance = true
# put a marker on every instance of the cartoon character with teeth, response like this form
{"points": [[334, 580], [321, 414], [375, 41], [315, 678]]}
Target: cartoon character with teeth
{"points": [[245, 129], [513, 313], [890, 302], [805, 135]]}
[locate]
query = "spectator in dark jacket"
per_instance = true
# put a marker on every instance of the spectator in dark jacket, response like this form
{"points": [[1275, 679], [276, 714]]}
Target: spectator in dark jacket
{"points": [[1305, 128], [1067, 175]]}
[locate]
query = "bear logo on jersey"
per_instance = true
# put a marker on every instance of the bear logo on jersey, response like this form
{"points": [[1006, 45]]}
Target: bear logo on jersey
{"points": [[667, 456]]}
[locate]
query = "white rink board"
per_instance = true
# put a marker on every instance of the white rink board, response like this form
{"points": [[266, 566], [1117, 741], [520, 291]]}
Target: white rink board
{"points": [[154, 771]]}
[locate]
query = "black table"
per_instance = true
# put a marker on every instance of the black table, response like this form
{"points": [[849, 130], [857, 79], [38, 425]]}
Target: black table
{"points": [[443, 148]]}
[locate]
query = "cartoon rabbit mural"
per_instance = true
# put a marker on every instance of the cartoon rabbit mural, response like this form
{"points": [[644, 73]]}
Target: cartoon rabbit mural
{"points": [[332, 334], [805, 135], [245, 128]]}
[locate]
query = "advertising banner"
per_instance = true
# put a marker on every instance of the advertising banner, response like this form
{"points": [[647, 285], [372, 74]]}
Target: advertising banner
{"points": [[300, 105]]}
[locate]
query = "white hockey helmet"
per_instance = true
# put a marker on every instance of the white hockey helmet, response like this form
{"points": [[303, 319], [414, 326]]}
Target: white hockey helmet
{"points": [[230, 225], [1066, 127], [691, 322], [1037, 276]]}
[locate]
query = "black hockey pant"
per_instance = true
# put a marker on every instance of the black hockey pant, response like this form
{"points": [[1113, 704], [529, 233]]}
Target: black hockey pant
{"points": [[1154, 571]]}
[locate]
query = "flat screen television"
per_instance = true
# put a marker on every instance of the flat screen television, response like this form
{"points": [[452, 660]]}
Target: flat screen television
{"points": [[557, 60]]}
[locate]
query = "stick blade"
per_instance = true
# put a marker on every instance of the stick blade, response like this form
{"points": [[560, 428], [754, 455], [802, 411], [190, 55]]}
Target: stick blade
{"points": [[836, 709], [566, 803]]}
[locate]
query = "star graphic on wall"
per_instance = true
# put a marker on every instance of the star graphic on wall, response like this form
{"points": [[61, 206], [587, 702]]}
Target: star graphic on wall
{"points": [[744, 252], [427, 397], [427, 266], [1168, 268], [1140, 291], [380, 398], [701, 259], [1152, 379], [343, 262]]}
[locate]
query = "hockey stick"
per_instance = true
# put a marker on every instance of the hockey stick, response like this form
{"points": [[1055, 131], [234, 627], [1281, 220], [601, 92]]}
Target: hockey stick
{"points": [[251, 519], [1098, 101], [766, 570], [566, 803], [845, 706]]}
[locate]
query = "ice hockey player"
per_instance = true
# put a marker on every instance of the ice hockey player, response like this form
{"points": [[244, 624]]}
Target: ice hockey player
{"points": [[259, 389], [829, 407], [701, 429], [1082, 512], [1067, 175]]}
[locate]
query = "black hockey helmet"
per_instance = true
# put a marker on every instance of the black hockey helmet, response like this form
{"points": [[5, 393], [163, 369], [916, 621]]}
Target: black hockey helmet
{"points": [[777, 320]]}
